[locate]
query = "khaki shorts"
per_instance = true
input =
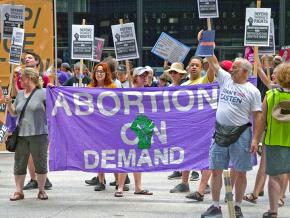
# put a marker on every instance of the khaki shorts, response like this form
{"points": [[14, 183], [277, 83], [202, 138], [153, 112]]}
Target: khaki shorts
{"points": [[37, 147]]}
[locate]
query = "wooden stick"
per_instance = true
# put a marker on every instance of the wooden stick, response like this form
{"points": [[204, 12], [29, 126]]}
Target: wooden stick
{"points": [[208, 23], [9, 89], [56, 82], [165, 64], [229, 194], [127, 64], [256, 49], [81, 64]]}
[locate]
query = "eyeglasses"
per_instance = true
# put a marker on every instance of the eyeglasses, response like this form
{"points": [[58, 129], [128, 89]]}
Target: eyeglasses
{"points": [[173, 72], [100, 72]]}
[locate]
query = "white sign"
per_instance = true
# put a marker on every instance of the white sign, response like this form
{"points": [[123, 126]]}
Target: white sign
{"points": [[170, 49], [82, 42], [271, 49], [257, 27], [125, 41], [208, 8], [11, 16], [16, 46]]}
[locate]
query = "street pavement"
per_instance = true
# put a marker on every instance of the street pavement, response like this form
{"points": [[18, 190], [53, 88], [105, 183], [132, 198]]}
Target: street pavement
{"points": [[71, 198]]}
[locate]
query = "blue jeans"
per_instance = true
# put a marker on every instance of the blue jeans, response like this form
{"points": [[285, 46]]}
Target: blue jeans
{"points": [[238, 153]]}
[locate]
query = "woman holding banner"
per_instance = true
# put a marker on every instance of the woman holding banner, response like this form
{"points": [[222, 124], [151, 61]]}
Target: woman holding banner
{"points": [[32, 135], [101, 78], [139, 81]]}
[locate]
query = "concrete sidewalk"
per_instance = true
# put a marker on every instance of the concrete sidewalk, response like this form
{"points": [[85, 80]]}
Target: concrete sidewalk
{"points": [[71, 198]]}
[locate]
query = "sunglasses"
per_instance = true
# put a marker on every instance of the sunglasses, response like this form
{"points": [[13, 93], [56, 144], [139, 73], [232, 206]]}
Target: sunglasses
{"points": [[173, 72]]}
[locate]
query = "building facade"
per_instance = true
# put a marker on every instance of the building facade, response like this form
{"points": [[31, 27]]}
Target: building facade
{"points": [[178, 18]]}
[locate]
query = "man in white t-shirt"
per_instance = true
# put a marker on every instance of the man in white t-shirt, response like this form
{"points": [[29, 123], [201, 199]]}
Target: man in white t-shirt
{"points": [[239, 99]]}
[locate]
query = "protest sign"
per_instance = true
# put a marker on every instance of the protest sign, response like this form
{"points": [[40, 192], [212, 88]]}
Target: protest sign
{"points": [[125, 41], [269, 50], [285, 53], [170, 49], [82, 42], [206, 44], [38, 35], [98, 49], [11, 16], [5, 92], [208, 8], [257, 27], [16, 46], [154, 129], [3, 132]]}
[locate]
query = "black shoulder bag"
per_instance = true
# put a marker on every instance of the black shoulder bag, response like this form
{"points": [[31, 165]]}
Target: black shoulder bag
{"points": [[11, 141]]}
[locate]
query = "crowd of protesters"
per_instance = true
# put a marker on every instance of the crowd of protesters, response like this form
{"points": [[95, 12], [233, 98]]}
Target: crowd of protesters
{"points": [[233, 138]]}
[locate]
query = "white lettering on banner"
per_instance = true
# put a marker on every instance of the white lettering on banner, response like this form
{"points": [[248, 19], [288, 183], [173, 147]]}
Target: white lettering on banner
{"points": [[176, 103], [100, 105], [153, 99], [172, 155], [94, 155], [87, 103], [144, 158], [159, 156], [166, 101], [61, 102], [124, 137], [108, 155], [137, 102], [123, 158], [182, 100], [212, 101], [161, 135]]}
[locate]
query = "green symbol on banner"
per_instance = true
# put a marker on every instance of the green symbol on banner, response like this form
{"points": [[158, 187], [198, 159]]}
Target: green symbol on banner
{"points": [[143, 127]]}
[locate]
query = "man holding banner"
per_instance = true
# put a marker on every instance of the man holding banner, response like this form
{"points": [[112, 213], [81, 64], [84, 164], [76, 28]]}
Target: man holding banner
{"points": [[238, 100], [195, 68]]}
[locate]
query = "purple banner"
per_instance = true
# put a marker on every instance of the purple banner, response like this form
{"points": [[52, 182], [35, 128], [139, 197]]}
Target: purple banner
{"points": [[131, 130]]}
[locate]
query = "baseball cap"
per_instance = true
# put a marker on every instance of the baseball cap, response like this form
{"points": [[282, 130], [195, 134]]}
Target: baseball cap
{"points": [[121, 68], [138, 71], [227, 65]]}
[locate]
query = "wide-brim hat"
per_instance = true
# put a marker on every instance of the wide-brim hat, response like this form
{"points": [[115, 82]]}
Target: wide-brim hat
{"points": [[177, 67], [281, 111]]}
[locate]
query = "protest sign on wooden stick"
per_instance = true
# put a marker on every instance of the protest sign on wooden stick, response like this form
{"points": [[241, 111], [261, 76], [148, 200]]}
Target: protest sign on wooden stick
{"points": [[127, 64], [256, 49]]}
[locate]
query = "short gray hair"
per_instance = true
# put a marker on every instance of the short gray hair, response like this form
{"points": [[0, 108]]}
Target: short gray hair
{"points": [[245, 64]]}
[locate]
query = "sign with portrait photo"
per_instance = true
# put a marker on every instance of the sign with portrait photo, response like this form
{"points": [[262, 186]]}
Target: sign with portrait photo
{"points": [[82, 42], [257, 27], [16, 46], [125, 41], [269, 50], [11, 16]]}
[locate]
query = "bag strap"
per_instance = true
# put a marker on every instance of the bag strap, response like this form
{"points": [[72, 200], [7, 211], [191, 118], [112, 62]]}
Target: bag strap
{"points": [[24, 107]]}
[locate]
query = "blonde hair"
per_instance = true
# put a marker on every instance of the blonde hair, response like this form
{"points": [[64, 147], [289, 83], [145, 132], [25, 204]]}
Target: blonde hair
{"points": [[283, 74], [33, 75]]}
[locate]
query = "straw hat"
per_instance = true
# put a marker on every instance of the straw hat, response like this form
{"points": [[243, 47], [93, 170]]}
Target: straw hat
{"points": [[281, 111], [178, 67]]}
